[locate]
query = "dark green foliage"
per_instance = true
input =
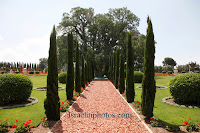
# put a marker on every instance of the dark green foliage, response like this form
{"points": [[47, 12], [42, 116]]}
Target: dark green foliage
{"points": [[183, 72], [130, 91], [83, 72], [169, 72], [148, 82], [31, 72], [113, 79], [185, 88], [77, 77], [52, 102], [86, 72], [163, 71], [138, 76], [17, 72], [4, 127], [2, 72], [70, 71], [14, 88], [121, 74], [62, 78], [117, 68], [37, 72]]}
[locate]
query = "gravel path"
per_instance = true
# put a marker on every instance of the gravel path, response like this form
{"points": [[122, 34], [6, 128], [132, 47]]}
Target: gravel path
{"points": [[97, 111]]}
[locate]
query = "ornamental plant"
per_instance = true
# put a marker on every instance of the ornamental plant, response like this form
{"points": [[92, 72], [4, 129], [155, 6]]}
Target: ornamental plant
{"points": [[44, 121], [24, 127], [4, 126], [155, 123], [191, 125], [62, 78], [64, 107]]}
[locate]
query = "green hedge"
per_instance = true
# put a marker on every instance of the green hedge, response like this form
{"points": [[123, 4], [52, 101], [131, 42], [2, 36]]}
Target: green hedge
{"points": [[14, 88], [169, 72], [185, 88], [37, 72], [163, 71], [138, 76], [31, 72], [17, 72], [62, 77], [2, 72], [183, 71]]}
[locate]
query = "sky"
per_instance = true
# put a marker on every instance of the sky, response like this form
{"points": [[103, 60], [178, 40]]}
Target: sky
{"points": [[26, 25]]}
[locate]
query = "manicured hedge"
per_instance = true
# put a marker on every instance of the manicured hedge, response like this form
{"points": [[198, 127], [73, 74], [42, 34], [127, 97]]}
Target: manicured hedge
{"points": [[169, 72], [31, 72], [37, 72], [2, 72], [16, 72], [185, 88], [14, 88], [138, 76], [163, 71], [183, 71], [62, 78]]}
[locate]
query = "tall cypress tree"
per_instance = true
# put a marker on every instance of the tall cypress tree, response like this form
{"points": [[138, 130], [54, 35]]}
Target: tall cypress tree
{"points": [[70, 71], [130, 91], [83, 72], [121, 72], [148, 82], [77, 78], [117, 68], [86, 72], [52, 102], [114, 67]]}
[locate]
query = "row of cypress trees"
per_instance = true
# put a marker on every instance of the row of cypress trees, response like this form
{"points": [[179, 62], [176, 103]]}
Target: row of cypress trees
{"points": [[116, 72], [52, 101]]}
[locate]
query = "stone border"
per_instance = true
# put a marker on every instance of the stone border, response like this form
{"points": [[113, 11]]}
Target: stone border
{"points": [[38, 88], [164, 87], [22, 105], [164, 100]]}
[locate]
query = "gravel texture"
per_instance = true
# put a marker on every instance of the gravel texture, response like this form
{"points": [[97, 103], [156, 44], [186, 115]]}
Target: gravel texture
{"points": [[100, 98]]}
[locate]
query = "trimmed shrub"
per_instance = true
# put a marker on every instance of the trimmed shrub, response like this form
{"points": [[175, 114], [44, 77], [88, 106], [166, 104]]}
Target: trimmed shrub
{"points": [[62, 78], [2, 72], [185, 88], [37, 72], [14, 88], [169, 72], [138, 76], [163, 71], [17, 72], [31, 72], [183, 71], [196, 71]]}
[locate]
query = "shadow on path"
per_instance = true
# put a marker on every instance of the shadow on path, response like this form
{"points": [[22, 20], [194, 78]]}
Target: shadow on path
{"points": [[77, 108]]}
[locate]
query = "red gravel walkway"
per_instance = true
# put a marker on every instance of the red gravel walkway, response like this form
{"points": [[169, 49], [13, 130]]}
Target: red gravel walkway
{"points": [[100, 100]]}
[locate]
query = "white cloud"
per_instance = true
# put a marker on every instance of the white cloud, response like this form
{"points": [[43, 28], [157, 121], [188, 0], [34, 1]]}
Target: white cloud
{"points": [[29, 50], [1, 38]]}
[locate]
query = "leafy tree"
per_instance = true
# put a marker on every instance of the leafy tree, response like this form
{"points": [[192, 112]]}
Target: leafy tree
{"points": [[42, 63], [130, 91], [70, 71], [148, 82], [169, 61], [121, 72], [51, 103], [77, 78]]}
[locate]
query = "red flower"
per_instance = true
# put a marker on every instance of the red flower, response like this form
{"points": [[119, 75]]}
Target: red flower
{"points": [[6, 118], [62, 102], [16, 120], [138, 102], [69, 105], [185, 123], [68, 102], [25, 125], [30, 126], [151, 118], [133, 104], [30, 120], [124, 78], [14, 126], [60, 108], [197, 121], [189, 118], [139, 107]]}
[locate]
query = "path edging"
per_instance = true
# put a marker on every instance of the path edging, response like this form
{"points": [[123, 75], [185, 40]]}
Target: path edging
{"points": [[134, 111]]}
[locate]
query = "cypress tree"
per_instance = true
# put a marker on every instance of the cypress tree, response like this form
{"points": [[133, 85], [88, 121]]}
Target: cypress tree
{"points": [[83, 72], [117, 68], [86, 72], [121, 76], [114, 67], [148, 82], [77, 78], [70, 70], [130, 91], [52, 102]]}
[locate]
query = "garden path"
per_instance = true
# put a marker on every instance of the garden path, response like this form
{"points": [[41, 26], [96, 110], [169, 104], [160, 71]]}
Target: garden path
{"points": [[99, 107]]}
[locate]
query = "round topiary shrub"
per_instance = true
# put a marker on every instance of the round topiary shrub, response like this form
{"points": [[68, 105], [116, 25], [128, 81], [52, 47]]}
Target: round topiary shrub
{"points": [[62, 77], [14, 88], [31, 72], [185, 88], [169, 72], [138, 76], [163, 71], [37, 72], [183, 71], [17, 72]]}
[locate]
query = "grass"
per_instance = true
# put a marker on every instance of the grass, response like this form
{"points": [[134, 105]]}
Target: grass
{"points": [[33, 112], [167, 113]]}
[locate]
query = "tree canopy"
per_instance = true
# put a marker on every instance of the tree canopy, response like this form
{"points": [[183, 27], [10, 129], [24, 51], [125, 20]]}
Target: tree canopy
{"points": [[169, 61]]}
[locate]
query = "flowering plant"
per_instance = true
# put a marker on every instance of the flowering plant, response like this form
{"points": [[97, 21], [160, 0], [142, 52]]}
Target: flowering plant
{"points": [[192, 126], [44, 122], [4, 126], [24, 127], [64, 106]]}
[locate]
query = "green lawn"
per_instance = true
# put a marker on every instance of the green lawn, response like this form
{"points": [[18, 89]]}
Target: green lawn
{"points": [[168, 113], [33, 112]]}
